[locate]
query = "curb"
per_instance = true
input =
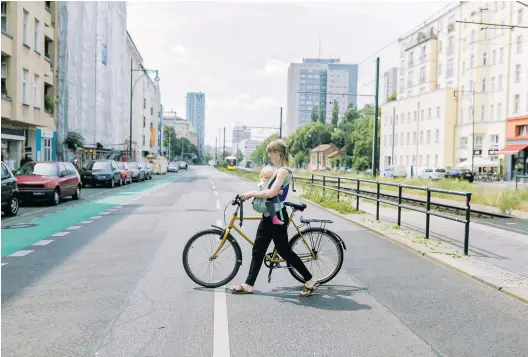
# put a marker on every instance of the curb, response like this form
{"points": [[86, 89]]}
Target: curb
{"points": [[515, 292]]}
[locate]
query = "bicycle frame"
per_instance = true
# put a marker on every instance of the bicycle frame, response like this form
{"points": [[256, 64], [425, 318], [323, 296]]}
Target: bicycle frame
{"points": [[273, 258]]}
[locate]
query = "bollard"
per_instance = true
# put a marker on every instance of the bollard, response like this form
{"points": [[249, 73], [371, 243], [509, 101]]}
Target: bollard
{"points": [[324, 183], [377, 200], [338, 187], [400, 191], [468, 217], [427, 215], [357, 195], [312, 179]]}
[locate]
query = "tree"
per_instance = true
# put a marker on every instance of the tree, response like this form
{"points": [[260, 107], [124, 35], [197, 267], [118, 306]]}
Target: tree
{"points": [[392, 97], [207, 157], [335, 114], [260, 155], [315, 114], [239, 155], [179, 147]]}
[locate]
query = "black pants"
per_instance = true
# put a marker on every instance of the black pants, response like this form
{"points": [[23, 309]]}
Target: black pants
{"points": [[266, 232]]}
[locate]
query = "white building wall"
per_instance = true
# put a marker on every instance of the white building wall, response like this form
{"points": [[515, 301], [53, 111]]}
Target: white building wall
{"points": [[337, 83], [518, 105]]}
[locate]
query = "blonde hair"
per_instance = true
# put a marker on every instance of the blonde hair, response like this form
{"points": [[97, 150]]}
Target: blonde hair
{"points": [[266, 172], [279, 146]]}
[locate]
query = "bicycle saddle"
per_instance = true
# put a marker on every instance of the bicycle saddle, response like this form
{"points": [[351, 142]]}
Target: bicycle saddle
{"points": [[301, 206]]}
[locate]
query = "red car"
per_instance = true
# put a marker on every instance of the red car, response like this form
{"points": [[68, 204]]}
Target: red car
{"points": [[48, 181], [126, 174]]}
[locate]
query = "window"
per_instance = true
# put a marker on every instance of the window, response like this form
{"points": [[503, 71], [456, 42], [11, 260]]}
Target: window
{"points": [[36, 102], [437, 136], [494, 141], [408, 117], [428, 136], [519, 16], [4, 16], [492, 83], [461, 116], [482, 112], [143, 140], [472, 61], [414, 160], [395, 140], [492, 111], [422, 75], [25, 28], [478, 142], [440, 46], [25, 75], [436, 160], [62, 170], [483, 84], [429, 113], [410, 62], [144, 104], [471, 85], [408, 137], [500, 82], [463, 67], [517, 73], [37, 35], [472, 36], [144, 122], [71, 169], [422, 115], [522, 130], [439, 68], [407, 160], [516, 103], [499, 111], [410, 79], [470, 113], [501, 55], [420, 160], [401, 139], [449, 72], [451, 45], [151, 111], [503, 5], [494, 57], [421, 137], [438, 112], [414, 138], [484, 59], [46, 143], [4, 76]]}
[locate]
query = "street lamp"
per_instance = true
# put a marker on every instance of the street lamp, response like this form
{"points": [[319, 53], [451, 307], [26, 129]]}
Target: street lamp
{"points": [[132, 86], [473, 124]]}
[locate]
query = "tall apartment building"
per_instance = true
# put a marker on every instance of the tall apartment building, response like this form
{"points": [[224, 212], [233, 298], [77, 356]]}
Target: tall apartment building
{"points": [[319, 83], [29, 60], [240, 133], [458, 85], [390, 84], [248, 147], [195, 105]]}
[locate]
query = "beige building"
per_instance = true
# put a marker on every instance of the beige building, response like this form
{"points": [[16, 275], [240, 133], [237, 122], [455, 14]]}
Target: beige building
{"points": [[29, 57], [459, 75], [181, 126]]}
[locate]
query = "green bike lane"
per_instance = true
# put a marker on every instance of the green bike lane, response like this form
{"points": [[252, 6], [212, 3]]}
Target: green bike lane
{"points": [[15, 239]]}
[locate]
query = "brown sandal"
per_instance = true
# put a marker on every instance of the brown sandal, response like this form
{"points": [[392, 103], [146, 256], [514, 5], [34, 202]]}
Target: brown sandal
{"points": [[239, 289], [309, 291]]}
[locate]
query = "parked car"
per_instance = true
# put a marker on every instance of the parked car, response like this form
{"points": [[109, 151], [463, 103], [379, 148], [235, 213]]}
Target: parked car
{"points": [[48, 181], [460, 174], [173, 167], [101, 172], [432, 174], [9, 192], [144, 169], [395, 172], [126, 174], [148, 168], [136, 172]]}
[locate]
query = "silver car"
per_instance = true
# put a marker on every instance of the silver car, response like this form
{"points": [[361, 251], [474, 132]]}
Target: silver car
{"points": [[395, 172], [432, 174]]}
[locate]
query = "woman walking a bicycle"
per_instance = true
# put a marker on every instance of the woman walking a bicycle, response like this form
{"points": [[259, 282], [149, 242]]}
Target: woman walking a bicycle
{"points": [[268, 231]]}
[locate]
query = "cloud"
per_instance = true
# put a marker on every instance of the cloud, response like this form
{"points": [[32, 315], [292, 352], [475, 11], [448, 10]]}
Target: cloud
{"points": [[209, 83], [180, 54], [273, 67], [242, 102]]}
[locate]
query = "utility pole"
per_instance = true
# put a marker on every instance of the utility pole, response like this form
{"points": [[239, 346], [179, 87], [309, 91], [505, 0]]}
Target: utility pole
{"points": [[375, 139], [131, 92], [223, 154], [216, 150], [280, 127]]}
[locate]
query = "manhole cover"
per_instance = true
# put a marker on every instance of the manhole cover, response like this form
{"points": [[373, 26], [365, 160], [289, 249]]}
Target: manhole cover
{"points": [[20, 225]]}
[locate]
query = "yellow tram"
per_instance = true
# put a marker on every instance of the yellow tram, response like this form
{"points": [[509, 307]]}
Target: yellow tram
{"points": [[231, 163]]}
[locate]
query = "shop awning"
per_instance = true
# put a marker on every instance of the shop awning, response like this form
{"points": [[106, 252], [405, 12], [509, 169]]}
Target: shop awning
{"points": [[512, 149]]}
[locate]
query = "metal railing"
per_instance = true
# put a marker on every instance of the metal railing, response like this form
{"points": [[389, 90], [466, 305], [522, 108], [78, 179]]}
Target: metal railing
{"points": [[523, 178], [339, 185]]}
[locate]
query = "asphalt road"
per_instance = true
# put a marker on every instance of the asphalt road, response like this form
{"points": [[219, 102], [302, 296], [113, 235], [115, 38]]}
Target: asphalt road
{"points": [[114, 286]]}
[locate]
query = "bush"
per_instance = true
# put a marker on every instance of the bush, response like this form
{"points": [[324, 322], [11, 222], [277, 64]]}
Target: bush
{"points": [[328, 200]]}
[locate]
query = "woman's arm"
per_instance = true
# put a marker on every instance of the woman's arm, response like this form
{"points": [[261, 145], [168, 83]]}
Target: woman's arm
{"points": [[273, 191]]}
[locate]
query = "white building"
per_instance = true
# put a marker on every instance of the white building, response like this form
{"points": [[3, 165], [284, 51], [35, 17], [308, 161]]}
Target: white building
{"points": [[462, 73], [248, 147], [318, 83], [146, 105], [390, 83], [182, 127]]}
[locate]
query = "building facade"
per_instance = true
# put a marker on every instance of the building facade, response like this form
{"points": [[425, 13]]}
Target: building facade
{"points": [[467, 80], [29, 61], [195, 112], [390, 84], [319, 83], [182, 127], [240, 134], [248, 147]]}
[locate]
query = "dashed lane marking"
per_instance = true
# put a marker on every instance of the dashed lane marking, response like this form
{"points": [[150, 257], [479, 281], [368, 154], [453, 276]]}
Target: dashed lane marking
{"points": [[86, 222], [73, 228], [43, 242], [60, 234], [21, 253], [96, 217], [217, 204]]}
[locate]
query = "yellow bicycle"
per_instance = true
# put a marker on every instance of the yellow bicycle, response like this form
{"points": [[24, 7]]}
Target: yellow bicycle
{"points": [[321, 250]]}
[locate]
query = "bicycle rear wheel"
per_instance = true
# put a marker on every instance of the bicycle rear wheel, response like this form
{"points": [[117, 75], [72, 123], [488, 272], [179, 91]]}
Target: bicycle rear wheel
{"points": [[211, 273], [328, 254]]}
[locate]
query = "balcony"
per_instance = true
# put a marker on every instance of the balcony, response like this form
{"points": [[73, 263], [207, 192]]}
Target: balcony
{"points": [[7, 43], [49, 31], [7, 105], [48, 72], [420, 38]]}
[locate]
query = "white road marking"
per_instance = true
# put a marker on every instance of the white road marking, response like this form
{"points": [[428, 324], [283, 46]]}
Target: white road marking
{"points": [[214, 187], [21, 253], [220, 223], [510, 223], [60, 234], [216, 193], [72, 228], [43, 242], [85, 222], [4, 264], [105, 213], [221, 328], [217, 204], [96, 217], [118, 206]]}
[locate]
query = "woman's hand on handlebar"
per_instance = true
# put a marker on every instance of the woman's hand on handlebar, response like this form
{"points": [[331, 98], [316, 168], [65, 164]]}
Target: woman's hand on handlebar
{"points": [[245, 196]]}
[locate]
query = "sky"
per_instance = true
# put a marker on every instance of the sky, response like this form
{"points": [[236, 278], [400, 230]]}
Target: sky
{"points": [[238, 53]]}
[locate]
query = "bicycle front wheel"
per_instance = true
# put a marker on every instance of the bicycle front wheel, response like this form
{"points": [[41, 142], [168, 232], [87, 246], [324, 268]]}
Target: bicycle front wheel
{"points": [[218, 271], [327, 258]]}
